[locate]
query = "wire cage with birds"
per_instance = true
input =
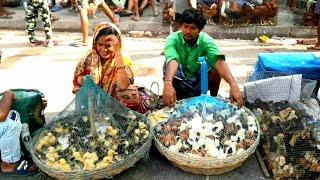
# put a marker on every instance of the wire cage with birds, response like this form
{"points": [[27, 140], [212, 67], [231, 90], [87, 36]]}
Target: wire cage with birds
{"points": [[244, 13], [288, 141], [94, 137]]}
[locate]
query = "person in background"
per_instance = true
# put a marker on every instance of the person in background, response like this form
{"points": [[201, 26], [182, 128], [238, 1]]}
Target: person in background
{"points": [[178, 7], [317, 12], [34, 9], [138, 10], [10, 129], [182, 78], [4, 13], [83, 6]]}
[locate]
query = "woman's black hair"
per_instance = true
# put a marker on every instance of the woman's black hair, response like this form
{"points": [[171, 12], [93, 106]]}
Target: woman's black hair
{"points": [[193, 16], [107, 31]]}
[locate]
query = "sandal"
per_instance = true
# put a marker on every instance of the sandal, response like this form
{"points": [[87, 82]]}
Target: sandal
{"points": [[6, 16], [125, 13], [23, 168]]}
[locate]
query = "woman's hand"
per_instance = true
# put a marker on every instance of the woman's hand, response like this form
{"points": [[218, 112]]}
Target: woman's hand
{"points": [[114, 43], [169, 94], [236, 95]]}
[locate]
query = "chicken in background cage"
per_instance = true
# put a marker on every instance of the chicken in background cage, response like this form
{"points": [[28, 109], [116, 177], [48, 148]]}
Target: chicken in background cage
{"points": [[288, 142]]}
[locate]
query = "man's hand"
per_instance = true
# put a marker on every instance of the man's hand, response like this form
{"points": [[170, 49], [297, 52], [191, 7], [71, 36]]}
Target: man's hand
{"points": [[236, 95], [169, 94]]}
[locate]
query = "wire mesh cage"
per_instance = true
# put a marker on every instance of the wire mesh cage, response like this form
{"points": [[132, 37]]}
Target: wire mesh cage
{"points": [[93, 137], [204, 135], [288, 144]]}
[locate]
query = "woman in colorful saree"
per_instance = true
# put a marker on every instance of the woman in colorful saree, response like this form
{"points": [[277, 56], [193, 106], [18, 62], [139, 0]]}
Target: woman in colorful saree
{"points": [[105, 62]]}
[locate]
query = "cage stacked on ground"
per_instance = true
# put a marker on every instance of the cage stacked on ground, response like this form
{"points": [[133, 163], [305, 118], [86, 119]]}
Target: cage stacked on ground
{"points": [[288, 117], [93, 138], [204, 135]]}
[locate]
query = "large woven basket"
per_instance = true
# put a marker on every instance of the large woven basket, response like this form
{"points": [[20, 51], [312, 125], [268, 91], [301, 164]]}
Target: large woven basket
{"points": [[112, 170], [208, 165]]}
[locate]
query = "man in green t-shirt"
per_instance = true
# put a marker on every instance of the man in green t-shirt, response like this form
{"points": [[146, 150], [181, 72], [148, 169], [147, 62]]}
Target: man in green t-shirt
{"points": [[181, 67]]}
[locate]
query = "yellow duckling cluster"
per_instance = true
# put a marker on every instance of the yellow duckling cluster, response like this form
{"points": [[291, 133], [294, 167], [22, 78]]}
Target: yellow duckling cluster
{"points": [[158, 117], [140, 133], [52, 155], [89, 160], [54, 160], [46, 141]]}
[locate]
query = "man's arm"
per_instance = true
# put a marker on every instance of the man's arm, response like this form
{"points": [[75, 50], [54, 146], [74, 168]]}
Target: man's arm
{"points": [[169, 93], [224, 72], [5, 105]]}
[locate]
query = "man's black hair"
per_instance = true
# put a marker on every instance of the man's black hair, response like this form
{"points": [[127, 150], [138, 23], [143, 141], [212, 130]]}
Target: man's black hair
{"points": [[107, 31], [193, 16]]}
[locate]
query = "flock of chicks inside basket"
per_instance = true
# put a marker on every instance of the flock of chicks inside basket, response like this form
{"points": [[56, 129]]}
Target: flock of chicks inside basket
{"points": [[288, 153], [216, 133], [69, 145]]}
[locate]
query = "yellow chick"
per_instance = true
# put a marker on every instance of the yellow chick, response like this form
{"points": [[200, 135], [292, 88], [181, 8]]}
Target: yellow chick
{"points": [[38, 147], [101, 137], [106, 143], [146, 134], [89, 166], [78, 156], [136, 139], [62, 161], [51, 140], [108, 159], [142, 125], [102, 164], [65, 167], [111, 152], [51, 149], [137, 132], [51, 159], [112, 132], [58, 129], [115, 147]]}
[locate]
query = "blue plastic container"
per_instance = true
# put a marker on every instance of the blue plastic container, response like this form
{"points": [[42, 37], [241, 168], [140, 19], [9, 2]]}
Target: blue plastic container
{"points": [[306, 64]]}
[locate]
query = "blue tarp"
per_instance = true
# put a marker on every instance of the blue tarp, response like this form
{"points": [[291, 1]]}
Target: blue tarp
{"points": [[306, 64]]}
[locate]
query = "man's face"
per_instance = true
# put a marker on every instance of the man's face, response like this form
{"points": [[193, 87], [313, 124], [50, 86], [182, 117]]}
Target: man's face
{"points": [[190, 31]]}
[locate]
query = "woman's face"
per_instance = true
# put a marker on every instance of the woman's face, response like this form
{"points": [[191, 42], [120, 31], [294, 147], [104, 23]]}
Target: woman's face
{"points": [[106, 46]]}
